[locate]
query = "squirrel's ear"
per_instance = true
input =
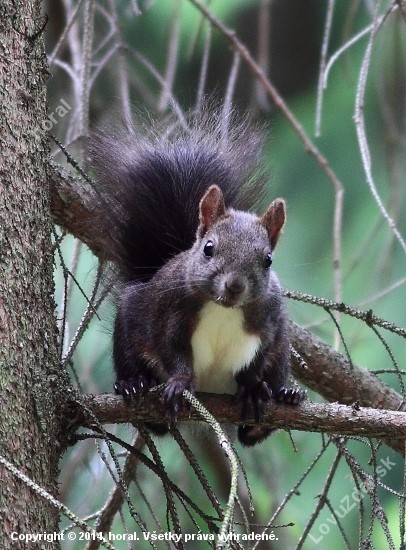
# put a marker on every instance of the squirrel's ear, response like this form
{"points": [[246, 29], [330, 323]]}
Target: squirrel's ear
{"points": [[273, 220], [211, 208]]}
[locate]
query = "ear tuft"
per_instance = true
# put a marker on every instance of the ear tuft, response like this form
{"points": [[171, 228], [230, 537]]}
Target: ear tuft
{"points": [[273, 220], [211, 208]]}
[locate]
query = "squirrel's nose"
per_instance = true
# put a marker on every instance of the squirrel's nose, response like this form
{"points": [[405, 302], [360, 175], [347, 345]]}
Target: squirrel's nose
{"points": [[235, 284]]}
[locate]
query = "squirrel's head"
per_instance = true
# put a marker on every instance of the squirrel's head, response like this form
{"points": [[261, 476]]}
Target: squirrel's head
{"points": [[234, 250], [212, 208]]}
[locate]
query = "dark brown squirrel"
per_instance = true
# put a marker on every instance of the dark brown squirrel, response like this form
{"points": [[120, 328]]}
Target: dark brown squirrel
{"points": [[198, 306]]}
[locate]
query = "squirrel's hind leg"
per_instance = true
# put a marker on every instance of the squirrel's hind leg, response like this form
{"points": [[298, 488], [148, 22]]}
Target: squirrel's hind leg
{"points": [[251, 435]]}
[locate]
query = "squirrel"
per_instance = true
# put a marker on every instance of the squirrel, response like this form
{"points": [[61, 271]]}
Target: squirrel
{"points": [[198, 306]]}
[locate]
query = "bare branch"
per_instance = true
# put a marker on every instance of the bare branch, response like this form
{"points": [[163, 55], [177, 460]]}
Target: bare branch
{"points": [[320, 86], [228, 98], [322, 418], [330, 374], [203, 70], [264, 40], [173, 52], [65, 32], [361, 132], [86, 65], [366, 316], [69, 205], [115, 500]]}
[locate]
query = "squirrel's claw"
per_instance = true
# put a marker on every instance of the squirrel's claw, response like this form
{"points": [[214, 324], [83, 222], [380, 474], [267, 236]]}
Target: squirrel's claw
{"points": [[290, 396], [134, 386], [173, 394]]}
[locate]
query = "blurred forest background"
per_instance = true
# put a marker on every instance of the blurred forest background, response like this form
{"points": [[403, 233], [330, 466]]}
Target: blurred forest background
{"points": [[111, 58]]}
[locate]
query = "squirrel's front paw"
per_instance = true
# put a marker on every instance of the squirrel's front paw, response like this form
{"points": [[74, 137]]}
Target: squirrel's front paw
{"points": [[172, 396], [290, 396], [135, 385], [253, 395]]}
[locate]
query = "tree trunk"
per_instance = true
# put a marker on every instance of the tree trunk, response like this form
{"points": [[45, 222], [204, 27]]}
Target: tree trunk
{"points": [[29, 369]]}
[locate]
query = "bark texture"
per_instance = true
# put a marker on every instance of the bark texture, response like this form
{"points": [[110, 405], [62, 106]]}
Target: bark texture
{"points": [[29, 373]]}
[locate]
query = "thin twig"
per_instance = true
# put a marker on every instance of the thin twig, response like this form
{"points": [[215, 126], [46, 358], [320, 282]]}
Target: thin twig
{"points": [[77, 249], [175, 105], [225, 444], [90, 311], [347, 45], [338, 207], [196, 468], [360, 127], [168, 492], [324, 48], [65, 32], [366, 316], [203, 70], [294, 490], [88, 30], [264, 40], [173, 52], [115, 500], [103, 62], [228, 98], [122, 66], [322, 500], [109, 438]]}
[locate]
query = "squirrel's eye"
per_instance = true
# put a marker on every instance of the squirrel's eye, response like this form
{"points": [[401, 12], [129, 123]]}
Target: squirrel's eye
{"points": [[208, 249], [267, 260]]}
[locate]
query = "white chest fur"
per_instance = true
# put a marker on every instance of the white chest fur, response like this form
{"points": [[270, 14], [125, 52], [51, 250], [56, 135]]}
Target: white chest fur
{"points": [[221, 347]]}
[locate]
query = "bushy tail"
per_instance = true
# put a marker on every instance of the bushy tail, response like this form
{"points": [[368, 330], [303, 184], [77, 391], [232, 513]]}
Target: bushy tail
{"points": [[149, 187]]}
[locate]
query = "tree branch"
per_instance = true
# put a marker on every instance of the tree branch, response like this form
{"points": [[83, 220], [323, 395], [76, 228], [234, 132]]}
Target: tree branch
{"points": [[71, 200], [332, 376], [323, 418]]}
